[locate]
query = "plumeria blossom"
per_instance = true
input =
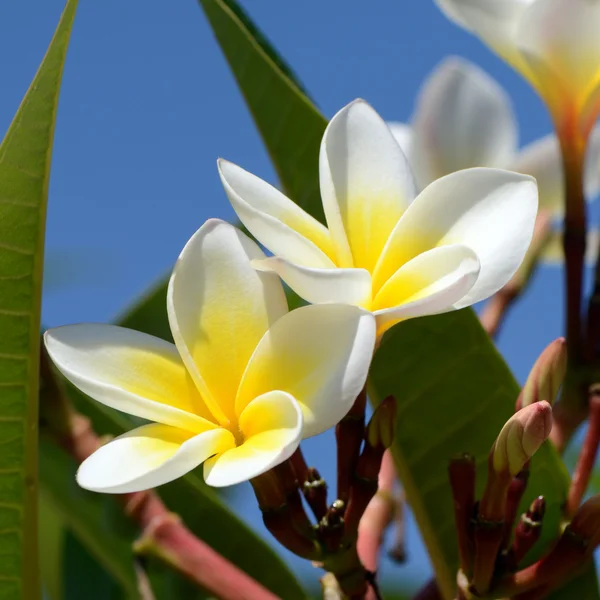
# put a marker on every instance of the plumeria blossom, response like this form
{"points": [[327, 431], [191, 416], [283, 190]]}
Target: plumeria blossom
{"points": [[553, 43], [386, 249], [463, 118], [244, 382]]}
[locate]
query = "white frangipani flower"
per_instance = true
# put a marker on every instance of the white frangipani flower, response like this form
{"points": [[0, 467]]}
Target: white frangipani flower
{"points": [[463, 118], [553, 43], [457, 242], [244, 382]]}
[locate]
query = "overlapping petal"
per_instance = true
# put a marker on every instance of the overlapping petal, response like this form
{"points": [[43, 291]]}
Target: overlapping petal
{"points": [[318, 354], [271, 426], [404, 135], [489, 210], [219, 308], [496, 22], [131, 371], [149, 456], [542, 159], [366, 184], [559, 39], [431, 283], [463, 119], [318, 286], [280, 224]]}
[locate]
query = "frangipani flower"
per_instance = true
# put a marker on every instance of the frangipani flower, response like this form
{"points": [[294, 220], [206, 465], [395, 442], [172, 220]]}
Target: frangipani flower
{"points": [[244, 382], [553, 43], [458, 242], [463, 118]]}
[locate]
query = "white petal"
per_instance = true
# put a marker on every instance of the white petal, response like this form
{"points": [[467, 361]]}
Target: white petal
{"points": [[560, 41], [403, 134], [149, 456], [219, 308], [131, 371], [272, 428], [274, 220], [366, 183], [463, 119], [489, 210], [542, 159], [320, 355], [320, 286], [495, 21], [431, 283]]}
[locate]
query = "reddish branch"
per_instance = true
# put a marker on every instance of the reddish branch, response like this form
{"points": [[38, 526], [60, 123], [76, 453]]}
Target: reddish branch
{"points": [[587, 457]]}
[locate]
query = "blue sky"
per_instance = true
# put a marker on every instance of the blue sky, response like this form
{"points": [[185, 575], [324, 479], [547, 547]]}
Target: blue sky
{"points": [[148, 104]]}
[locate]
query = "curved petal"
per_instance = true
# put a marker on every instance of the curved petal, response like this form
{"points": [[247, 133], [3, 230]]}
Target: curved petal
{"points": [[274, 220], [559, 39], [404, 135], [272, 429], [429, 284], [131, 371], [219, 308], [463, 119], [149, 456], [366, 183], [489, 210], [542, 159], [494, 21], [321, 286], [320, 355]]}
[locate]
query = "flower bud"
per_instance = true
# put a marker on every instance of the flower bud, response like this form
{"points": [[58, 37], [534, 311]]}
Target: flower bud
{"points": [[382, 426], [546, 376], [521, 437]]}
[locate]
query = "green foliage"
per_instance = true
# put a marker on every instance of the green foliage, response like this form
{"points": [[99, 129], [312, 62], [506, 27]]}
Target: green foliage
{"points": [[451, 384], [24, 174]]}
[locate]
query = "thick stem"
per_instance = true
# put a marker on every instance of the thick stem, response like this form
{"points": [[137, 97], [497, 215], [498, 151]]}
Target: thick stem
{"points": [[587, 457], [349, 434], [573, 145]]}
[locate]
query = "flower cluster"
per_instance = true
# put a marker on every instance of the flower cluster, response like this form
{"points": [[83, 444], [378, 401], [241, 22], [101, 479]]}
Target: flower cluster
{"points": [[246, 380]]}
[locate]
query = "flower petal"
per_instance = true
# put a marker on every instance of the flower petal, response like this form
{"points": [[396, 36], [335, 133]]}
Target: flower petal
{"points": [[272, 428], [559, 39], [320, 286], [131, 371], [149, 456], [463, 119], [489, 210], [542, 159], [274, 220], [219, 308], [366, 183], [494, 21], [320, 355], [431, 283], [403, 134]]}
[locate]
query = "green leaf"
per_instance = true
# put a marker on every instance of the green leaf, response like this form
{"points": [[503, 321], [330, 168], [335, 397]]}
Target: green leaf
{"points": [[95, 520], [25, 157], [289, 123], [454, 390], [52, 536], [203, 512]]}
